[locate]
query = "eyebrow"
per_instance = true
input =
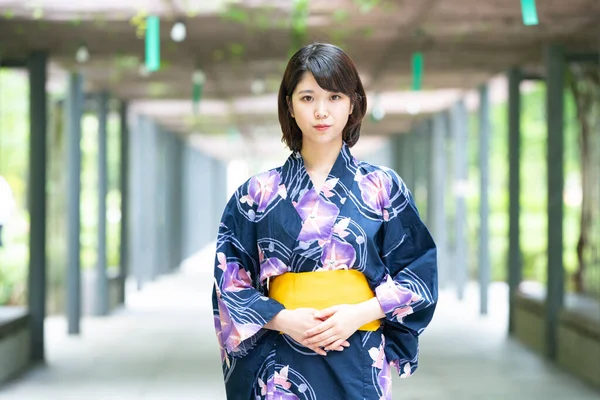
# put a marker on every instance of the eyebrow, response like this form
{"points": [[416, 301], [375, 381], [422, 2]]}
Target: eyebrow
{"points": [[306, 91]]}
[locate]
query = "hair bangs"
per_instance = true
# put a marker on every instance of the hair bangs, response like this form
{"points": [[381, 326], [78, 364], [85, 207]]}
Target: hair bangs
{"points": [[330, 74]]}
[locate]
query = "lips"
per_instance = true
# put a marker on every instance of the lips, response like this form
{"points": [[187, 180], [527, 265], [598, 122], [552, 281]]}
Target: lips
{"points": [[322, 127]]}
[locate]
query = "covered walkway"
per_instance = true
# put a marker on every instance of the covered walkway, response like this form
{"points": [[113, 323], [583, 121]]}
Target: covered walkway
{"points": [[163, 346], [182, 99]]}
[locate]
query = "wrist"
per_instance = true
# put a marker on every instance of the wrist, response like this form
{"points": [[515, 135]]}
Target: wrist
{"points": [[278, 321], [369, 311]]}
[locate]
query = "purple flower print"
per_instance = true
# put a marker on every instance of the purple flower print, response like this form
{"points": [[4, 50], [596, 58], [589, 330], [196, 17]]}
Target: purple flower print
{"points": [[277, 395], [223, 325], [384, 377], [338, 255], [375, 188], [280, 379], [235, 278], [318, 215], [392, 295], [262, 190], [219, 331], [272, 267]]}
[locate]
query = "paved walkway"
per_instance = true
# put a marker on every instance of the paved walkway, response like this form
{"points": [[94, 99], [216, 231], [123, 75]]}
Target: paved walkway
{"points": [[163, 347]]}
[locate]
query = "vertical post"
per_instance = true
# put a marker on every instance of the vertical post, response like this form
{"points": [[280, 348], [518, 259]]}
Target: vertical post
{"points": [[102, 302], [484, 209], [397, 143], [407, 159], [37, 64], [124, 183], [136, 211], [461, 166], [74, 109], [178, 161], [436, 196], [419, 167], [555, 71], [152, 177], [514, 188]]}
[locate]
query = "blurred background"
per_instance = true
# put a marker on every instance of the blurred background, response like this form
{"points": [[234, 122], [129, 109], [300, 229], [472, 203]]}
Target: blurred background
{"points": [[126, 126]]}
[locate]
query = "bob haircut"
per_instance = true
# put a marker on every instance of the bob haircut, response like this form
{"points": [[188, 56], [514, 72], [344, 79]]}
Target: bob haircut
{"points": [[334, 71]]}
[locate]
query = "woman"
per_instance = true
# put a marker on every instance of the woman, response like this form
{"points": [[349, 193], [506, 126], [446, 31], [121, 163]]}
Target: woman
{"points": [[325, 275]]}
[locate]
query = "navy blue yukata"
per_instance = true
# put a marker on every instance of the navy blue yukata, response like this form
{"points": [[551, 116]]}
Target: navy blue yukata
{"points": [[363, 218]]}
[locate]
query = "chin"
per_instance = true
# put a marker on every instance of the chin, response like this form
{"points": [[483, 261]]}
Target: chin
{"points": [[323, 138]]}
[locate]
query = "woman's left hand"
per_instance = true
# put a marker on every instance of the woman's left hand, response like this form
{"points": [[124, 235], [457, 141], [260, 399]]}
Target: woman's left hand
{"points": [[340, 323]]}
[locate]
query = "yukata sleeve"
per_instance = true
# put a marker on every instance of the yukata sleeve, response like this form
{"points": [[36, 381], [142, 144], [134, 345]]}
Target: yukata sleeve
{"points": [[240, 306], [408, 291]]}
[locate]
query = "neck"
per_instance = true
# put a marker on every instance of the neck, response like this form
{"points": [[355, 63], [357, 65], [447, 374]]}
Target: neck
{"points": [[318, 157]]}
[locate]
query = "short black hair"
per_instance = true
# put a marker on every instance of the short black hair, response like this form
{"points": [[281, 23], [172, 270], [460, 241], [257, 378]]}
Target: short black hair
{"points": [[334, 71]]}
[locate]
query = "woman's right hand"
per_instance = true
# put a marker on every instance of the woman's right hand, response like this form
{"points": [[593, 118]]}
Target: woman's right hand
{"points": [[295, 323]]}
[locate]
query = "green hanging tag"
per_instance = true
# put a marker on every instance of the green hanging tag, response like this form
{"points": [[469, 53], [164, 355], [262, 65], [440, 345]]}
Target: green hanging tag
{"points": [[529, 12], [417, 71], [153, 43]]}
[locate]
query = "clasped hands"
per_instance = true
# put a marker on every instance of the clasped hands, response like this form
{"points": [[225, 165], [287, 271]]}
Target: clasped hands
{"points": [[325, 330]]}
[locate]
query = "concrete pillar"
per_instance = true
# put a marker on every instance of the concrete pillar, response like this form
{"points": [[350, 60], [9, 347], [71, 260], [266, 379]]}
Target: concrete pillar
{"points": [[437, 193], [555, 73], [124, 187], [36, 284], [102, 302], [73, 114], [407, 160], [459, 119], [484, 209], [514, 188], [137, 237], [421, 165]]}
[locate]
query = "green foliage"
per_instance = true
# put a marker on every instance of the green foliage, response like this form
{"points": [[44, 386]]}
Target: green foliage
{"points": [[366, 6], [14, 142], [236, 14], [14, 150]]}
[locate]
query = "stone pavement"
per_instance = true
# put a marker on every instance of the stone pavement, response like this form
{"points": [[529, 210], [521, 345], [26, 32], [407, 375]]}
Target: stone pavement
{"points": [[162, 346]]}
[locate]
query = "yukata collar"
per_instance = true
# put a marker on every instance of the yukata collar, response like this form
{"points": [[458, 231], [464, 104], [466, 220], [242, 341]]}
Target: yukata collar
{"points": [[342, 172]]}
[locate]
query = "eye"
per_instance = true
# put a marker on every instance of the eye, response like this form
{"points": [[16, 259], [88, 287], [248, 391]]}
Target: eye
{"points": [[336, 97], [306, 98]]}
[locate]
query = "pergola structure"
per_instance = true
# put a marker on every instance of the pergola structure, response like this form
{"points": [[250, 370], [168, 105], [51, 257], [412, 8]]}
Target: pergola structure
{"points": [[241, 47]]}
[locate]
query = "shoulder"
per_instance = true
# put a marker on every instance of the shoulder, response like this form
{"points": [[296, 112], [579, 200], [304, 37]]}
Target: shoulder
{"points": [[387, 176], [258, 193], [270, 179]]}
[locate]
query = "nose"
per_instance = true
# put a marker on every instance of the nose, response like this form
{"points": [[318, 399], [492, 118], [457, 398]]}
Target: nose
{"points": [[320, 111]]}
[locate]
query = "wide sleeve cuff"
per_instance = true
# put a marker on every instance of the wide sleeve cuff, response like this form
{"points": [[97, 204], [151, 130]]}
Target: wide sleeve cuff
{"points": [[395, 299]]}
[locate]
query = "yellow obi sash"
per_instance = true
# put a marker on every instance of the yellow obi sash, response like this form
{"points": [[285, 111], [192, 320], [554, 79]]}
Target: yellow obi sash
{"points": [[322, 289]]}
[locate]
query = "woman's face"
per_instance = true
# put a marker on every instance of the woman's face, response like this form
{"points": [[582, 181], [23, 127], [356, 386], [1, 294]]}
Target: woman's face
{"points": [[321, 115]]}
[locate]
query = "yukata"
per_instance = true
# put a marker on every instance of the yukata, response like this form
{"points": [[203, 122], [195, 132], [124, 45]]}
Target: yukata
{"points": [[364, 218]]}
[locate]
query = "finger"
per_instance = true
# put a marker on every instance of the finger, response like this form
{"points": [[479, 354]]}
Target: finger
{"points": [[326, 342], [322, 327], [346, 344], [313, 340], [318, 350], [326, 313], [335, 345]]}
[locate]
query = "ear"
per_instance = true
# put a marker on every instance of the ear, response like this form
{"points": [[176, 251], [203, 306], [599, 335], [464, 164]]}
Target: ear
{"points": [[290, 107], [351, 108]]}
